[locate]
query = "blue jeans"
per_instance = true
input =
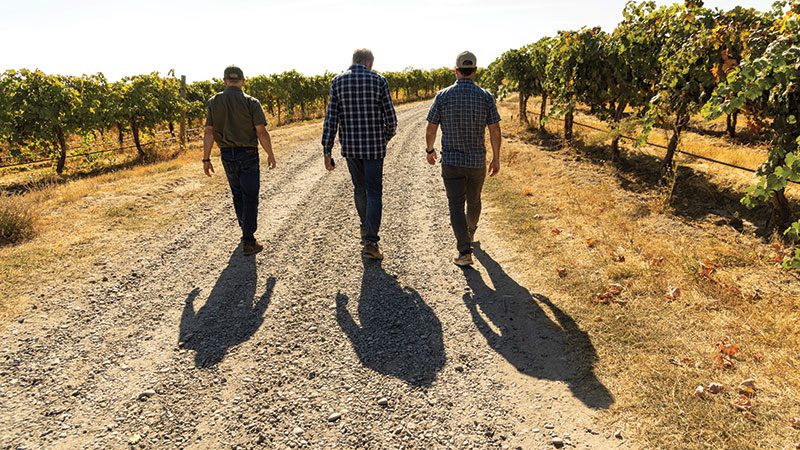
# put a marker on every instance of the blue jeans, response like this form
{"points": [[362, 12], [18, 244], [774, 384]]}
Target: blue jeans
{"points": [[244, 176], [367, 175]]}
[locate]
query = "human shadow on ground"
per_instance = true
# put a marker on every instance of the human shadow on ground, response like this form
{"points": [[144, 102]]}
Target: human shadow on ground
{"points": [[230, 316], [515, 324], [398, 334]]}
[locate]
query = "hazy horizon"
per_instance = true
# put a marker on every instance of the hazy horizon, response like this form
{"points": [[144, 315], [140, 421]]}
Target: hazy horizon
{"points": [[311, 36]]}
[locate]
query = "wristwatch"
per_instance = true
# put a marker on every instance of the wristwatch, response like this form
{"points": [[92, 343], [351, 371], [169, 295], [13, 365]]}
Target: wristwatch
{"points": [[430, 151]]}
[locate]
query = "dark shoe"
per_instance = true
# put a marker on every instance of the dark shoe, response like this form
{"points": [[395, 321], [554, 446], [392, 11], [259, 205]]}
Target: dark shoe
{"points": [[372, 250], [251, 248], [463, 260]]}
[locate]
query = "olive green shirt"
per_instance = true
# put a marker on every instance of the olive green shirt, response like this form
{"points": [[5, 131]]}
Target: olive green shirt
{"points": [[234, 116]]}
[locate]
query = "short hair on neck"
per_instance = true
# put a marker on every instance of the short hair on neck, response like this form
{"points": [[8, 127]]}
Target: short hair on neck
{"points": [[466, 71], [363, 56]]}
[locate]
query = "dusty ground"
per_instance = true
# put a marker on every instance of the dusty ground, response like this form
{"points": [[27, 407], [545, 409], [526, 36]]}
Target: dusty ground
{"points": [[178, 341]]}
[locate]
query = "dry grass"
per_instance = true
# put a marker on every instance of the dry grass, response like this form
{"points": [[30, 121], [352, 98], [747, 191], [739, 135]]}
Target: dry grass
{"points": [[17, 220], [703, 138], [654, 351]]}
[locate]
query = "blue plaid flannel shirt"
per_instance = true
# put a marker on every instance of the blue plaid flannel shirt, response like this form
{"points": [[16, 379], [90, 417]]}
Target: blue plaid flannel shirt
{"points": [[360, 108], [463, 110]]}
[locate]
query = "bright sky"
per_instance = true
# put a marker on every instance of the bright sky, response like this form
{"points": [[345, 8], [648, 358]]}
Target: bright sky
{"points": [[199, 38]]}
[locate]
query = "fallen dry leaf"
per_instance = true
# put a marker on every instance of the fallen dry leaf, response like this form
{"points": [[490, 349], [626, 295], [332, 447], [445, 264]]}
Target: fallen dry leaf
{"points": [[598, 318], [655, 262], [556, 231], [795, 421], [706, 269], [728, 347], [724, 361], [562, 272], [699, 391], [748, 387], [617, 257], [673, 293], [743, 403], [615, 289], [715, 388], [591, 243], [758, 357]]}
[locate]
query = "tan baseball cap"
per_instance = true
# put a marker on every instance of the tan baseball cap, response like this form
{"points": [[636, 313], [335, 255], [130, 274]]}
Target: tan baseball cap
{"points": [[466, 60]]}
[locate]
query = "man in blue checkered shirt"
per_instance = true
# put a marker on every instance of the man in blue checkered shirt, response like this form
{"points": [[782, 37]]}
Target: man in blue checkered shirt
{"points": [[464, 110], [360, 108]]}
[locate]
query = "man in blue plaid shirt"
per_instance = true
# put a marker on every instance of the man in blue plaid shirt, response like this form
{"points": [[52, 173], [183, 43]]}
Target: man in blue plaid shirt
{"points": [[464, 110], [360, 109]]}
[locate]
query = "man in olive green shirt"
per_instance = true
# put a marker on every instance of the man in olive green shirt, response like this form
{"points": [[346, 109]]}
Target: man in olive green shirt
{"points": [[236, 122]]}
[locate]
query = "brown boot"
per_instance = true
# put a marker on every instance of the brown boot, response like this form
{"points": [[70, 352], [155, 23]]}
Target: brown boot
{"points": [[251, 248], [372, 251]]}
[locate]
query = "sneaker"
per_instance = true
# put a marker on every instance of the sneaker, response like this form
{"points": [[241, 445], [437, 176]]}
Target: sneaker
{"points": [[463, 260], [372, 250], [251, 248]]}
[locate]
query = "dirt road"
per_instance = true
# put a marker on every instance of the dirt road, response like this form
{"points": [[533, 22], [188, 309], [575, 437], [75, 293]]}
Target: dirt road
{"points": [[182, 342]]}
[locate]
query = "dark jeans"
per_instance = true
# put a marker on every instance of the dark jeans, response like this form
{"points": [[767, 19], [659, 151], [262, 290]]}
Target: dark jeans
{"points": [[463, 185], [367, 175], [244, 176]]}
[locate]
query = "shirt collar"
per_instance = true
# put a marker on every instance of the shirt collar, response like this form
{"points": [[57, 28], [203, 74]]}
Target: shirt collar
{"points": [[465, 80], [233, 88], [358, 67]]}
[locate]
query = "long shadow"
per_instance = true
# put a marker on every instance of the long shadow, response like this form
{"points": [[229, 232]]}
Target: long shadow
{"points": [[398, 334], [230, 316], [516, 326]]}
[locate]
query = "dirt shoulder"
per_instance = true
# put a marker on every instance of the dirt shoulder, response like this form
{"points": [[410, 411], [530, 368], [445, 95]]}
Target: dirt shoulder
{"points": [[692, 275]]}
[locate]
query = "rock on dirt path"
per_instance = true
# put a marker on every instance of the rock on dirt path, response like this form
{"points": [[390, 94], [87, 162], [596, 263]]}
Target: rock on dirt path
{"points": [[188, 344]]}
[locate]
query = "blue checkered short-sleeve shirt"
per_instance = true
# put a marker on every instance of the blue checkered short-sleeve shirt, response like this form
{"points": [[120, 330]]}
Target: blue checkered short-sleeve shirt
{"points": [[463, 110]]}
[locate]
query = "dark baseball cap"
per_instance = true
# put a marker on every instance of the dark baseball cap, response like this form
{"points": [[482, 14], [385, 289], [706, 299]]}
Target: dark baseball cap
{"points": [[233, 73]]}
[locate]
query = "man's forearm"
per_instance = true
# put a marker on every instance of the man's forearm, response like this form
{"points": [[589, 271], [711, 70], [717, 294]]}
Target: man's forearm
{"points": [[208, 142], [266, 142], [497, 140], [430, 135]]}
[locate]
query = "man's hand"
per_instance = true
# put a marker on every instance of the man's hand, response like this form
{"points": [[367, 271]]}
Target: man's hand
{"points": [[271, 161], [208, 168], [431, 158], [329, 164], [494, 167]]}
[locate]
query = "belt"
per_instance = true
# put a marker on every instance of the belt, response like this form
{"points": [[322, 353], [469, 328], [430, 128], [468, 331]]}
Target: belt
{"points": [[230, 149]]}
